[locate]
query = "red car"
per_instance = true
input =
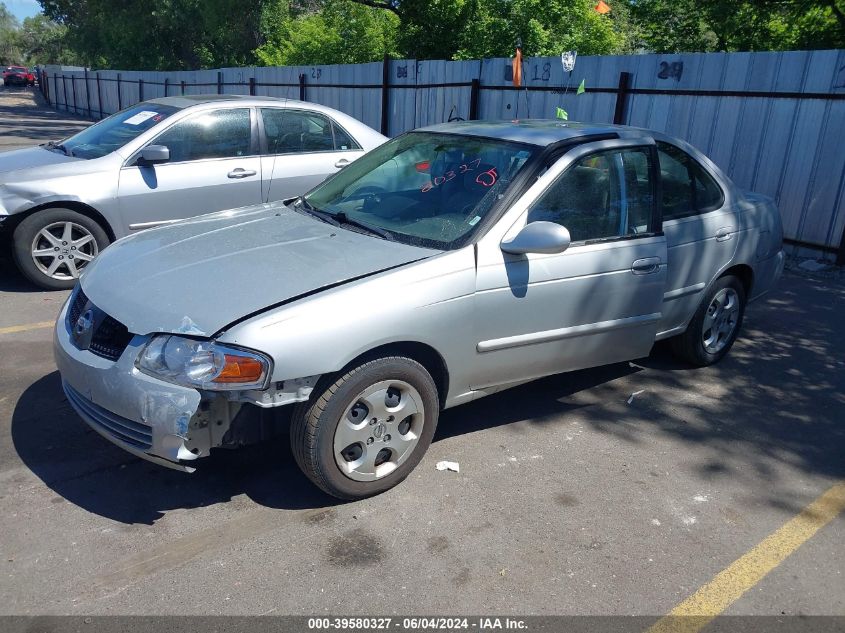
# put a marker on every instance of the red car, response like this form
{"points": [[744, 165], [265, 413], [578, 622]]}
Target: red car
{"points": [[18, 75]]}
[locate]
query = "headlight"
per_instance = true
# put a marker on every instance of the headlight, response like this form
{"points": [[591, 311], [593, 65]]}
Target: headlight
{"points": [[203, 364]]}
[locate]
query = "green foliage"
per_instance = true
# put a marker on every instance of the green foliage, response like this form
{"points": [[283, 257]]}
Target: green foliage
{"points": [[188, 34], [546, 27], [45, 42], [339, 32], [744, 25], [165, 35], [9, 51]]}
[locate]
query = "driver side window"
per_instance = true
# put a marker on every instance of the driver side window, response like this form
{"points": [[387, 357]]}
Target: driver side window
{"points": [[601, 196], [215, 134]]}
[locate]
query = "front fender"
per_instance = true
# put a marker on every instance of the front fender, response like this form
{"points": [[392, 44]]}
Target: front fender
{"points": [[428, 302]]}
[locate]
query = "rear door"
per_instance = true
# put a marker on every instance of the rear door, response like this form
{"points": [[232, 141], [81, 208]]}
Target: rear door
{"points": [[701, 232], [214, 165], [597, 302], [301, 148]]}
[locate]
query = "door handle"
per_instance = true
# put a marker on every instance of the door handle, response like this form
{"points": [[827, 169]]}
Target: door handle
{"points": [[724, 233], [240, 172], [341, 163], [645, 266]]}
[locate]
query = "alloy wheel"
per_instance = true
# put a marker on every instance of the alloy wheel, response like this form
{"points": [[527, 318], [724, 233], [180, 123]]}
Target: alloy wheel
{"points": [[62, 249]]}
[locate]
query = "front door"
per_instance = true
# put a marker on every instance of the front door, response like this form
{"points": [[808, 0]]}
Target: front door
{"points": [[214, 165], [597, 302]]}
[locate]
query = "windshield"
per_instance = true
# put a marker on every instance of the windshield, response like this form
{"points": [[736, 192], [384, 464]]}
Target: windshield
{"points": [[116, 131], [425, 189]]}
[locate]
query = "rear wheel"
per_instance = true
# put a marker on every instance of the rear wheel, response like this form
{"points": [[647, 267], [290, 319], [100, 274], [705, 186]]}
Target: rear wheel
{"points": [[365, 432], [52, 247], [715, 325]]}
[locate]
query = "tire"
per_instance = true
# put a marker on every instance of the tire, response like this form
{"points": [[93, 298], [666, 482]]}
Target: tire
{"points": [[335, 441], [706, 341], [43, 232]]}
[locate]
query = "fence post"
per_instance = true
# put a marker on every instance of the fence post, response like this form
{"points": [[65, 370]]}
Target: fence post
{"points": [[385, 94], [87, 95], [99, 96], [166, 81], [140, 90], [252, 86], [46, 86], [840, 255], [621, 98], [302, 87], [473, 99], [73, 88], [182, 86], [64, 91], [220, 82], [119, 99]]}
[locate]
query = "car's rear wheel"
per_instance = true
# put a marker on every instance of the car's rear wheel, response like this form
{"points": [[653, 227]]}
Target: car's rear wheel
{"points": [[52, 247], [366, 431], [715, 325]]}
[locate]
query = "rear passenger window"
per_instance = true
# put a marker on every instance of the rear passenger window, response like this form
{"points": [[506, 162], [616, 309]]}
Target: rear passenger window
{"points": [[603, 195], [342, 140], [298, 131], [687, 187]]}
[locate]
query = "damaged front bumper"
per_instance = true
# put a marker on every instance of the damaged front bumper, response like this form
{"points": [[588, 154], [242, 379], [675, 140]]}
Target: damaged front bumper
{"points": [[145, 416]]}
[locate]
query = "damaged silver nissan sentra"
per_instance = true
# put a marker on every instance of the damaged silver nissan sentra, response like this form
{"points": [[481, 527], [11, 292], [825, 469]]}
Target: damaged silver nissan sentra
{"points": [[448, 264]]}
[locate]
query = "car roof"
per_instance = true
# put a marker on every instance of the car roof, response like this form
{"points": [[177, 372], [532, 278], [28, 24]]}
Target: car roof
{"points": [[186, 101], [534, 131]]}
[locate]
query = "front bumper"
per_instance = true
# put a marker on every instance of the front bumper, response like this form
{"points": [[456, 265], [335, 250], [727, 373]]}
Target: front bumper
{"points": [[144, 416]]}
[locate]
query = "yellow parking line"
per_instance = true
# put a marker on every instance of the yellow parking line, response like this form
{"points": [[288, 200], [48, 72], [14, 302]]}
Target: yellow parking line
{"points": [[727, 586], [25, 328]]}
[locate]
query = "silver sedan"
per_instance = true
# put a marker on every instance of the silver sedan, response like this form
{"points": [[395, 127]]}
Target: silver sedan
{"points": [[161, 161], [448, 264]]}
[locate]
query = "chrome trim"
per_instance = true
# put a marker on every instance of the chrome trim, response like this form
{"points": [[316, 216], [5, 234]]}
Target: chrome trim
{"points": [[148, 225], [683, 292], [566, 332]]}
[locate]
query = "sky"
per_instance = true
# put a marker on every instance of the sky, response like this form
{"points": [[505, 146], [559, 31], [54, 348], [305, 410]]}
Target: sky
{"points": [[22, 8]]}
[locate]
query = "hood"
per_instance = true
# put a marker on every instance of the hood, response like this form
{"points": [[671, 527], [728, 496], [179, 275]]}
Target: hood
{"points": [[198, 276], [21, 159]]}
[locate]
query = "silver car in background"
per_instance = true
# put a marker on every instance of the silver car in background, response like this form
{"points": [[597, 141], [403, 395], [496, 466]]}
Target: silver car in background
{"points": [[448, 264], [161, 161]]}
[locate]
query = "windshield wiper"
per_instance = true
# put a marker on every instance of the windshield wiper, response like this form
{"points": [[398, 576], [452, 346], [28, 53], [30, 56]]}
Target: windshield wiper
{"points": [[375, 230], [339, 218], [310, 209], [59, 146]]}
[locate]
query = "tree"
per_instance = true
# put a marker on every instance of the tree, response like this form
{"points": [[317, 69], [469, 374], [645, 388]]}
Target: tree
{"points": [[333, 32], [9, 51], [43, 41], [165, 35], [745, 25]]}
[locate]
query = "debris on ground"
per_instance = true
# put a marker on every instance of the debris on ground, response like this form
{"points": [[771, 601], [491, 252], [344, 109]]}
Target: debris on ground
{"points": [[633, 395], [813, 265], [453, 466]]}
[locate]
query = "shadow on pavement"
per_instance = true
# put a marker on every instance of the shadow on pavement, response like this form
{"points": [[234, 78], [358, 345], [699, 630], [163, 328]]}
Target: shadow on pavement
{"points": [[776, 400]]}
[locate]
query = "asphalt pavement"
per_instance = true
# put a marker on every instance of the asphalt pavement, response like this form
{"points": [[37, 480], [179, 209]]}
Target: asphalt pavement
{"points": [[618, 490]]}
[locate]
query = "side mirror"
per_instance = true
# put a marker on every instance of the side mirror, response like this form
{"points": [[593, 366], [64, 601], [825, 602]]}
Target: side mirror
{"points": [[538, 237], [153, 154]]}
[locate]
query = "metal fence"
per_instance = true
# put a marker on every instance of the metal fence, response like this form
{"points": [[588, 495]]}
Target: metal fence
{"points": [[774, 121]]}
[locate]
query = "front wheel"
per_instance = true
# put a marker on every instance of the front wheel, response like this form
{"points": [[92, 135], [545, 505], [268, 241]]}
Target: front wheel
{"points": [[365, 432], [715, 325], [52, 247]]}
